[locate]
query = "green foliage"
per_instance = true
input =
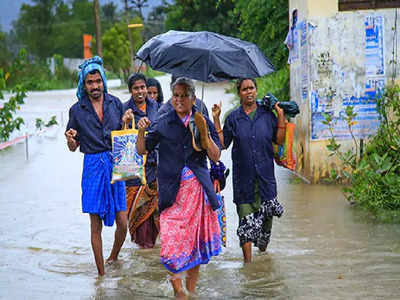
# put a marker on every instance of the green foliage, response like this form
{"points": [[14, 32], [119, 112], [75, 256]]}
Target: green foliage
{"points": [[37, 76], [276, 83], [116, 46], [199, 15], [40, 123], [374, 177], [52, 26], [8, 122], [5, 54], [265, 23]]}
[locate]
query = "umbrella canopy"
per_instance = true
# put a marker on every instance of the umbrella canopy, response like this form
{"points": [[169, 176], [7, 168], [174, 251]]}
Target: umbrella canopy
{"points": [[205, 56]]}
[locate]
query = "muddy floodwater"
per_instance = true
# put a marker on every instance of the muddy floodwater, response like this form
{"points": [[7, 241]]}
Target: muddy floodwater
{"points": [[321, 248]]}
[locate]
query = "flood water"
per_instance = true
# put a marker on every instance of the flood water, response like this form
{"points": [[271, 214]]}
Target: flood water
{"points": [[321, 248]]}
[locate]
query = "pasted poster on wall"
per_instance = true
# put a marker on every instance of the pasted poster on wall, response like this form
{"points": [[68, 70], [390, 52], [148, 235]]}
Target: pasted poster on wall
{"points": [[365, 107], [374, 46], [304, 60]]}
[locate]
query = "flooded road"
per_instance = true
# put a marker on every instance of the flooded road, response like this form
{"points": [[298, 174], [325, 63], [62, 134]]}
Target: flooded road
{"points": [[321, 248]]}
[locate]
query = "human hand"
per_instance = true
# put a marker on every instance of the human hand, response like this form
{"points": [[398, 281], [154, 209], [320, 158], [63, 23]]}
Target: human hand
{"points": [[70, 134], [278, 109], [143, 124], [216, 110], [127, 117]]}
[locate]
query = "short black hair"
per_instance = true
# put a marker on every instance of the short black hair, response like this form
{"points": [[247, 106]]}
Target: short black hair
{"points": [[135, 77], [240, 81]]}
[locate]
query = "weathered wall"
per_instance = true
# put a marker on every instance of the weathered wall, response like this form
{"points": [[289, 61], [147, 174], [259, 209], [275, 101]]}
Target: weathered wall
{"points": [[332, 71]]}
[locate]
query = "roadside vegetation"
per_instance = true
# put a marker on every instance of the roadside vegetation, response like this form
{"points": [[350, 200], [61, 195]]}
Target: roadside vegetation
{"points": [[371, 173]]}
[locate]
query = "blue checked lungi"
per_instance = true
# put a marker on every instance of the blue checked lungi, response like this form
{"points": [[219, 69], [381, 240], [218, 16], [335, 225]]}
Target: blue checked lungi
{"points": [[99, 196]]}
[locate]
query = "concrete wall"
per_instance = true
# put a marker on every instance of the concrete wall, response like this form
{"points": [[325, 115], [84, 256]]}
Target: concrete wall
{"points": [[332, 71]]}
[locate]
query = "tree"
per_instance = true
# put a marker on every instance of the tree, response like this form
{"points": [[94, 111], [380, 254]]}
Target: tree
{"points": [[8, 121], [97, 25], [265, 23], [109, 15], [116, 47], [52, 27], [5, 54], [155, 23], [197, 15], [139, 4], [35, 26]]}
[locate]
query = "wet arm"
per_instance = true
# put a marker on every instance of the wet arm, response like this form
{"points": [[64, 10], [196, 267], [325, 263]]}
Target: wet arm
{"points": [[281, 130]]}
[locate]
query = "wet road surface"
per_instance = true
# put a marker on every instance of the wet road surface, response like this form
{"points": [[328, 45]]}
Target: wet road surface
{"points": [[321, 248]]}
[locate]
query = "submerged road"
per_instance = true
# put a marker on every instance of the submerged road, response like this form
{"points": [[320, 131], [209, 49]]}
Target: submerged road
{"points": [[321, 248]]}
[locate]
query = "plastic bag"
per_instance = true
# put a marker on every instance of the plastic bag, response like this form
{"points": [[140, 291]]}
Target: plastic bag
{"points": [[283, 154], [127, 163], [221, 213]]}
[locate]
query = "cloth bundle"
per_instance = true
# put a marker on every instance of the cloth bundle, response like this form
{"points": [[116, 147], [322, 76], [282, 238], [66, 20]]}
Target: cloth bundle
{"points": [[290, 108]]}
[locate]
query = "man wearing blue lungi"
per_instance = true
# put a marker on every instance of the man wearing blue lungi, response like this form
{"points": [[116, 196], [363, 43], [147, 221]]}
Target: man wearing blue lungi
{"points": [[91, 121]]}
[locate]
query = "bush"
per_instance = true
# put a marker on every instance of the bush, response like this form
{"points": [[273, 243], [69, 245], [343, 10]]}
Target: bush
{"points": [[374, 177]]}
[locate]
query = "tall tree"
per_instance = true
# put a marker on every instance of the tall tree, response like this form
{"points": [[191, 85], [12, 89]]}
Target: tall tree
{"points": [[196, 15], [5, 55], [109, 15], [116, 53], [265, 23], [155, 23], [139, 4], [34, 26], [129, 35], [97, 25]]}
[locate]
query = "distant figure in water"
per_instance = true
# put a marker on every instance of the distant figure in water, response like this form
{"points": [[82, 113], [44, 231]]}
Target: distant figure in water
{"points": [[91, 121]]}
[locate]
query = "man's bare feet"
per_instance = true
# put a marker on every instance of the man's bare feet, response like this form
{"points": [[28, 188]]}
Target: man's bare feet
{"points": [[111, 261]]}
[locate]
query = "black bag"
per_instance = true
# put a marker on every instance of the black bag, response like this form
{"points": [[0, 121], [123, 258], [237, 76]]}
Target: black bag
{"points": [[290, 108]]}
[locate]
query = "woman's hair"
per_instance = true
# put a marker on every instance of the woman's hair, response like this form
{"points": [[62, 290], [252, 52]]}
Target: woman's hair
{"points": [[154, 82], [133, 78], [240, 81], [188, 83]]}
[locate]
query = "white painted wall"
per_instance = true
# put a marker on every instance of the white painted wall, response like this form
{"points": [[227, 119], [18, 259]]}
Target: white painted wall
{"points": [[342, 35]]}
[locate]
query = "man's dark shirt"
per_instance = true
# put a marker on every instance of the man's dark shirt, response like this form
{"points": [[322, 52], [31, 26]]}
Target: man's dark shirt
{"points": [[151, 161], [252, 153], [93, 135], [176, 151]]}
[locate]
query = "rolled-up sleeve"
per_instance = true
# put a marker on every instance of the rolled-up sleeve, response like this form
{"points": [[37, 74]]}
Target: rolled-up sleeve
{"points": [[72, 121], [213, 133], [153, 136], [228, 131]]}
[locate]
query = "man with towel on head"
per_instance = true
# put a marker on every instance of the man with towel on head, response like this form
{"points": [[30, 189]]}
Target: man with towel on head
{"points": [[91, 120]]}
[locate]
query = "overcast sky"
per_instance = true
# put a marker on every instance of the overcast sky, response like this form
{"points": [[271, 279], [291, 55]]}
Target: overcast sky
{"points": [[9, 10]]}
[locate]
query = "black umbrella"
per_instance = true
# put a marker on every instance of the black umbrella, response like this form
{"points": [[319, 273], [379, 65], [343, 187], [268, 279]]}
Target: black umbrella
{"points": [[204, 56]]}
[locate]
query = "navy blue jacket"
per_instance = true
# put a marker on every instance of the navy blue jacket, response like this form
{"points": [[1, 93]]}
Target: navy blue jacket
{"points": [[151, 113], [252, 153], [94, 136], [175, 152]]}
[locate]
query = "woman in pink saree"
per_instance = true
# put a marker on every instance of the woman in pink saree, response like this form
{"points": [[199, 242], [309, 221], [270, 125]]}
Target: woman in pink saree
{"points": [[189, 229]]}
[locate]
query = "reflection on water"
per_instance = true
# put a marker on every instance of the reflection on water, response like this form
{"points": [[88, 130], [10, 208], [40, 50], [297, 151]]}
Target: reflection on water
{"points": [[321, 248]]}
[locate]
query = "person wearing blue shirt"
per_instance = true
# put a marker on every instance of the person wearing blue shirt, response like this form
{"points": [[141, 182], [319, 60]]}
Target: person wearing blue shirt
{"points": [[252, 128], [91, 121], [189, 228], [142, 213]]}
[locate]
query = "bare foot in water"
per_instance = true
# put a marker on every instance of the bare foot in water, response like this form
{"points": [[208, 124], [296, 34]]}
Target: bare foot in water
{"points": [[181, 295], [111, 261]]}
